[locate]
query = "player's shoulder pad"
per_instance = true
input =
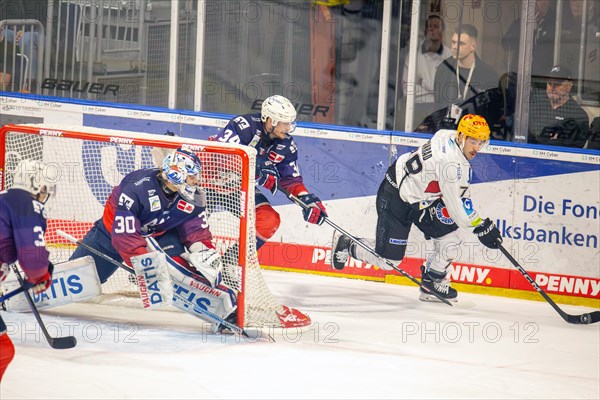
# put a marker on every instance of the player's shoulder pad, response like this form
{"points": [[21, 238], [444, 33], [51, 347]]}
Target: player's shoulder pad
{"points": [[444, 146], [21, 202]]}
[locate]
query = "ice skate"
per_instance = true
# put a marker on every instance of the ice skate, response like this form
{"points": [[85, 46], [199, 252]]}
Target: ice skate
{"points": [[341, 250], [435, 282]]}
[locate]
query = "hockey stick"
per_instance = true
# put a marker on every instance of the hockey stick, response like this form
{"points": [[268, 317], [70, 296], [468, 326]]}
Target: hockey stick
{"points": [[217, 319], [25, 286], [65, 342], [366, 247], [583, 319]]}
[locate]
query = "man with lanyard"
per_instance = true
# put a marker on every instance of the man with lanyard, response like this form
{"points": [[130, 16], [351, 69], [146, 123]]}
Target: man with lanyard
{"points": [[455, 85]]}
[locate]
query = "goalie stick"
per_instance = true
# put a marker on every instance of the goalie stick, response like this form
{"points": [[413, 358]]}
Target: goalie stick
{"points": [[583, 319], [64, 342], [366, 247], [216, 318]]}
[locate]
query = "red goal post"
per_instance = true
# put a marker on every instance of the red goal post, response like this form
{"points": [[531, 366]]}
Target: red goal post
{"points": [[91, 161]]}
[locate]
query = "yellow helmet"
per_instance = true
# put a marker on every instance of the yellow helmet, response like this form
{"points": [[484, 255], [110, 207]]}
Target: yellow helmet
{"points": [[475, 126]]}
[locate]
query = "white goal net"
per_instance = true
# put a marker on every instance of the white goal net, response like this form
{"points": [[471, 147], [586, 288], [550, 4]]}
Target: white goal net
{"points": [[91, 161]]}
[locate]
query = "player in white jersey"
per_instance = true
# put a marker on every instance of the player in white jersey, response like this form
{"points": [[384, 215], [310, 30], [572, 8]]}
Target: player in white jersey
{"points": [[429, 188]]}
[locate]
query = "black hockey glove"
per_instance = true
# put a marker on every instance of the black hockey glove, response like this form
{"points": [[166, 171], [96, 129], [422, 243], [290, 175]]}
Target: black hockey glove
{"points": [[315, 213], [267, 176], [488, 234]]}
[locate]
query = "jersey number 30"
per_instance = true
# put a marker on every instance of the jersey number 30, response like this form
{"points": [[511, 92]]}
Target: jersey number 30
{"points": [[124, 224]]}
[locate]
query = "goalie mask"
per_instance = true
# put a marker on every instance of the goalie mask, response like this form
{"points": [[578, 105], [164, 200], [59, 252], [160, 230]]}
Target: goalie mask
{"points": [[183, 170], [36, 178], [280, 110]]}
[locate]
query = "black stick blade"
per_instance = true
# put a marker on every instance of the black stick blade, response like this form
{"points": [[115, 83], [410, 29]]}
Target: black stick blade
{"points": [[590, 318], [583, 319], [66, 342]]}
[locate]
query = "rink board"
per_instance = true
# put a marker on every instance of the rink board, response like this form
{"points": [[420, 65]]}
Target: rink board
{"points": [[545, 202]]}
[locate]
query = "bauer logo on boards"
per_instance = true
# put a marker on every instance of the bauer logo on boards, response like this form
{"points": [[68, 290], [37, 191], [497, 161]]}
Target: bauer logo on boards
{"points": [[48, 132]]}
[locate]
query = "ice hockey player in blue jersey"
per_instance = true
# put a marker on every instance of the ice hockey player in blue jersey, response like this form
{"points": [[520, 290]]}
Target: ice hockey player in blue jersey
{"points": [[22, 229], [163, 203], [276, 163], [167, 205]]}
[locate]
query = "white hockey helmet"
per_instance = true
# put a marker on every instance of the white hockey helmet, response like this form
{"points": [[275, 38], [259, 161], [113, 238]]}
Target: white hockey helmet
{"points": [[279, 109], [36, 178], [177, 166]]}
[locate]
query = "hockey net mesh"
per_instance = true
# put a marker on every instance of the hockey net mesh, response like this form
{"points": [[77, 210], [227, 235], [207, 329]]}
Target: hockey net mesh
{"points": [[88, 170]]}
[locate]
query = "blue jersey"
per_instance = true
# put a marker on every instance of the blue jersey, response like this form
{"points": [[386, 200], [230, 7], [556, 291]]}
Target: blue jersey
{"points": [[283, 153], [22, 229], [139, 207]]}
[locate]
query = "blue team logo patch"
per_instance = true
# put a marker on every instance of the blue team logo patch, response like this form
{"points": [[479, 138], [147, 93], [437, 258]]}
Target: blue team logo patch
{"points": [[468, 206], [442, 214]]}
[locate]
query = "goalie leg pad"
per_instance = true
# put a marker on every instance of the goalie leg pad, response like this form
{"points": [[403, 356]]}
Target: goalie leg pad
{"points": [[194, 296], [74, 280], [154, 282]]}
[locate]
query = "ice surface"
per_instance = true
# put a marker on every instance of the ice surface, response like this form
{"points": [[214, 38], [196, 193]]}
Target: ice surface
{"points": [[368, 340]]}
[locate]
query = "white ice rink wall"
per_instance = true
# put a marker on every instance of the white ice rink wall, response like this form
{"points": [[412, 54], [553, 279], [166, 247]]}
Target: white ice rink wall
{"points": [[545, 201]]}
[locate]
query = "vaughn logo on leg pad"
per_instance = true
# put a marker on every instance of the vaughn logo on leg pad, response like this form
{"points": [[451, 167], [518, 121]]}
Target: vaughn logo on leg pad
{"points": [[193, 296], [154, 282]]}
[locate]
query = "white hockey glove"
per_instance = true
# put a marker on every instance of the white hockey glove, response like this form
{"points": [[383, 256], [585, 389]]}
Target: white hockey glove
{"points": [[206, 261]]}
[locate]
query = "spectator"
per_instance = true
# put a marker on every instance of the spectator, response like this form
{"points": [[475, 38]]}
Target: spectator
{"points": [[594, 138], [26, 39], [10, 65], [431, 53], [556, 118], [543, 39], [473, 76]]}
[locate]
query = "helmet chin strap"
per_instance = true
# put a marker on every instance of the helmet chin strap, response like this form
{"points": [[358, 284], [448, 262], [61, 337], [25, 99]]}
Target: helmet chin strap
{"points": [[39, 195], [267, 134]]}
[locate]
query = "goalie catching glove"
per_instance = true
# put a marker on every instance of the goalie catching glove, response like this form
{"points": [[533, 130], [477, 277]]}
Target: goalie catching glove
{"points": [[488, 234], [207, 261], [315, 213], [267, 176]]}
